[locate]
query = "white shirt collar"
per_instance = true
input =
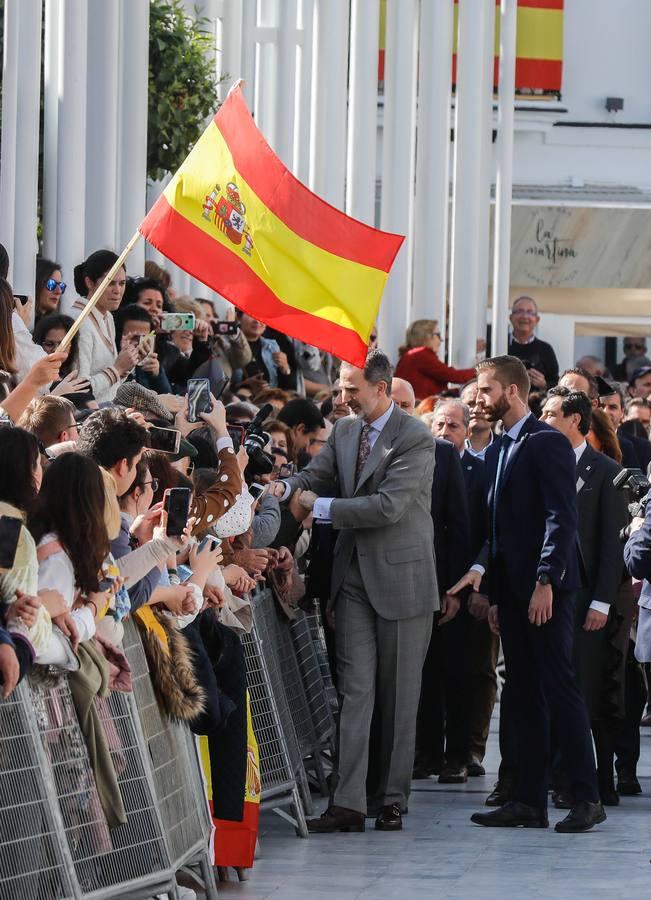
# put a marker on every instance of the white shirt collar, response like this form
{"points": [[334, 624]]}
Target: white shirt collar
{"points": [[514, 431], [471, 450], [379, 423], [524, 343], [578, 451]]}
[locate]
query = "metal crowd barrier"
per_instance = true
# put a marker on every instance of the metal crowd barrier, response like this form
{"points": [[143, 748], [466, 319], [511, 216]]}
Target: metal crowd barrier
{"points": [[292, 705], [54, 840]]}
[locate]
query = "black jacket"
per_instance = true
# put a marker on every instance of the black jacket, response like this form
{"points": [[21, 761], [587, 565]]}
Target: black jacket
{"points": [[450, 516]]}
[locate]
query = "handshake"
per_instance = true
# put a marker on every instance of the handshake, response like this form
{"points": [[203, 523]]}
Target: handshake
{"points": [[304, 499]]}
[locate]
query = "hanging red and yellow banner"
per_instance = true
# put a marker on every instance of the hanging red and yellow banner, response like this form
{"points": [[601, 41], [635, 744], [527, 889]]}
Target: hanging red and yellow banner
{"points": [[235, 218], [539, 45]]}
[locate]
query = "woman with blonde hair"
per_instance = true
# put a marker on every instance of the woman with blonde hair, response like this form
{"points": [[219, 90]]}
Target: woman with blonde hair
{"points": [[420, 365]]}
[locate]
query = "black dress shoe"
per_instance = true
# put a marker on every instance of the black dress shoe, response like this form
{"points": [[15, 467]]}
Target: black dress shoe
{"points": [[609, 796], [453, 774], [474, 767], [562, 800], [513, 815], [373, 810], [582, 817], [390, 818], [628, 786], [500, 795], [337, 818]]}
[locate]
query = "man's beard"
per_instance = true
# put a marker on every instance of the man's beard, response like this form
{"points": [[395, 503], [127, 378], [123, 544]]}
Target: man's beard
{"points": [[497, 410]]}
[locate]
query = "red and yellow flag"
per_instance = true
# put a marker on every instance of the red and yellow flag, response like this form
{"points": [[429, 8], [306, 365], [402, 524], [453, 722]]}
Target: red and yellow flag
{"points": [[235, 218], [539, 45]]}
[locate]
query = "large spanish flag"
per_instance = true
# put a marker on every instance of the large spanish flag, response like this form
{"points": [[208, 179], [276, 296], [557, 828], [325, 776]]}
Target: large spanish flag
{"points": [[236, 219]]}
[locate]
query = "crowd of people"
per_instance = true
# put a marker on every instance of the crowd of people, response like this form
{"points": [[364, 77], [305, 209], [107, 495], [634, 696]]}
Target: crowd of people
{"points": [[427, 521]]}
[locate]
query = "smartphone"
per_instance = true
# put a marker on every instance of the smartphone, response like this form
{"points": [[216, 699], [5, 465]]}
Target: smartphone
{"points": [[177, 322], [21, 298], [176, 502], [286, 469], [184, 573], [165, 440], [225, 327], [146, 337], [198, 398], [210, 538], [236, 433], [256, 490], [9, 536]]}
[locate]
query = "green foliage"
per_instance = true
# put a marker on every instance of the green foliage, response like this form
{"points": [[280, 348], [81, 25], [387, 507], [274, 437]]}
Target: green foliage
{"points": [[182, 84]]}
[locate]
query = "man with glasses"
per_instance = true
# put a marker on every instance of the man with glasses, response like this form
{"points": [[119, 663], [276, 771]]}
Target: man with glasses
{"points": [[635, 356], [538, 356], [51, 419]]}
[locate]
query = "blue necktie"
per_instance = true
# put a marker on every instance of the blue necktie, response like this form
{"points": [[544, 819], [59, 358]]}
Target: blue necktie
{"points": [[502, 460]]}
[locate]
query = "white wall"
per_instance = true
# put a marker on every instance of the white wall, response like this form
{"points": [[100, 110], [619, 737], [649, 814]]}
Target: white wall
{"points": [[606, 54]]}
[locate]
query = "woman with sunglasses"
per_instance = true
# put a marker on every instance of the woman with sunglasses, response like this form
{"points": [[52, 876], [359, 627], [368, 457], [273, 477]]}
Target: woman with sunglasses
{"points": [[419, 363], [49, 287]]}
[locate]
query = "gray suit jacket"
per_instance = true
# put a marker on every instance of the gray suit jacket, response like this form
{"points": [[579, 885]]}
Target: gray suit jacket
{"points": [[387, 516]]}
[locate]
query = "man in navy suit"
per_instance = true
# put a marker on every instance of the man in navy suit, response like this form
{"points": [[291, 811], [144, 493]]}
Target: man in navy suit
{"points": [[531, 560]]}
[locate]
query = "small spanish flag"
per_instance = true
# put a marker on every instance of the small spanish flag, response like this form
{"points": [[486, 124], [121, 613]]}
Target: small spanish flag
{"points": [[235, 218]]}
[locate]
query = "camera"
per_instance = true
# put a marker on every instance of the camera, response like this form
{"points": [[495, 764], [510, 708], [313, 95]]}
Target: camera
{"points": [[255, 440], [637, 485]]}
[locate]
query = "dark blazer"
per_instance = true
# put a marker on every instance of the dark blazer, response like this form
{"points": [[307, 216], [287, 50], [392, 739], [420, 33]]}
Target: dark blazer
{"points": [[474, 476], [630, 458], [536, 514], [450, 516], [641, 449], [602, 514]]}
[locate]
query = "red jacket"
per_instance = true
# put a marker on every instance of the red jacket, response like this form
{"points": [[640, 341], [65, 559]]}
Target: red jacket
{"points": [[428, 374]]}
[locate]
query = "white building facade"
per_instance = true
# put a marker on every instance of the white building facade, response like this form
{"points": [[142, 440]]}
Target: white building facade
{"points": [[419, 158]]}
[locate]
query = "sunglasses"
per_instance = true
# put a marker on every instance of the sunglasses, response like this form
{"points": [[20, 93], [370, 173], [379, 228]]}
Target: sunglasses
{"points": [[633, 346], [50, 346], [51, 284]]}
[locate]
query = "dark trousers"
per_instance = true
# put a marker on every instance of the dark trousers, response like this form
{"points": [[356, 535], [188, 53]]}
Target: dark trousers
{"points": [[545, 694], [443, 723], [627, 739], [484, 649]]}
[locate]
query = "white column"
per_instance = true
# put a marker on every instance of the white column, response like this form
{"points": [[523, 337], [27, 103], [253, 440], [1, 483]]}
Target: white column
{"points": [[229, 43], [329, 97], [102, 135], [504, 182], [50, 127], [64, 187], [304, 91], [468, 287], [285, 105], [9, 152], [362, 109], [20, 131], [485, 175], [432, 202], [248, 49], [398, 164], [132, 146], [154, 190]]}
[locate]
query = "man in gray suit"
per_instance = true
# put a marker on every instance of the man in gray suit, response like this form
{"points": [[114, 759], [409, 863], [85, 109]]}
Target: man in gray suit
{"points": [[373, 481]]}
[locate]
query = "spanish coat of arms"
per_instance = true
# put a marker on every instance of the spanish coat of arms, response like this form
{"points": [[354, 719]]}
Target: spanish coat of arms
{"points": [[226, 210]]}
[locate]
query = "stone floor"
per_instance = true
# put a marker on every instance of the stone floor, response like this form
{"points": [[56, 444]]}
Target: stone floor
{"points": [[440, 854]]}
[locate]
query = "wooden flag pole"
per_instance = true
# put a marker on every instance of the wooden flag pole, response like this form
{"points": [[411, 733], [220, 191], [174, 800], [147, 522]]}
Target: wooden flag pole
{"points": [[108, 278]]}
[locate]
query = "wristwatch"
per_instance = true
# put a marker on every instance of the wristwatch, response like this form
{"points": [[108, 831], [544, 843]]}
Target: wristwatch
{"points": [[544, 578]]}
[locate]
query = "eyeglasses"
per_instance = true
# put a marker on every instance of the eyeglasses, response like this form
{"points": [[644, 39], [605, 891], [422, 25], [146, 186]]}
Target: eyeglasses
{"points": [[50, 346], [529, 313], [153, 483], [633, 346], [436, 334], [51, 284]]}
